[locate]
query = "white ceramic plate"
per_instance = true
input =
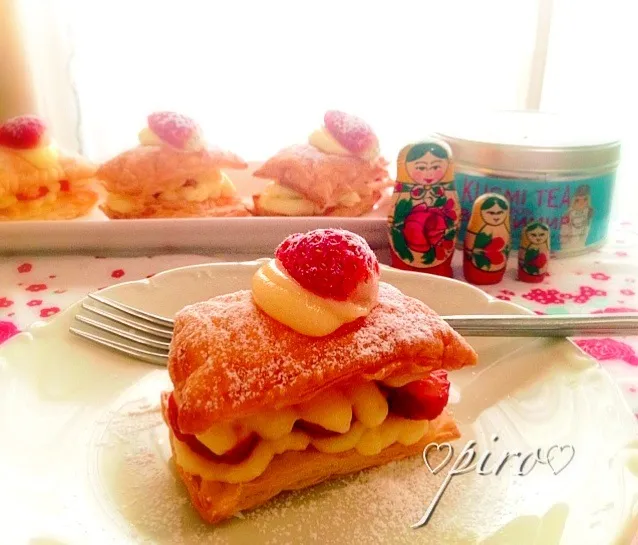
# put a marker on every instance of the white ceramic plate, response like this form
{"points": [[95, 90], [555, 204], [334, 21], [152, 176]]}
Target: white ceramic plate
{"points": [[96, 233], [84, 456]]}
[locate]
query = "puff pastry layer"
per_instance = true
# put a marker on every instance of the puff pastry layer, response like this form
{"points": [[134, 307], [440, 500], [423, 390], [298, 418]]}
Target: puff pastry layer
{"points": [[293, 470], [139, 180], [229, 359], [240, 375], [63, 190], [323, 178]]}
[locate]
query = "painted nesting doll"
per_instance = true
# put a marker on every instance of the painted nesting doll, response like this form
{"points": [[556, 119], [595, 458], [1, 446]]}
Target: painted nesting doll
{"points": [[424, 219], [533, 253], [487, 241], [577, 221]]}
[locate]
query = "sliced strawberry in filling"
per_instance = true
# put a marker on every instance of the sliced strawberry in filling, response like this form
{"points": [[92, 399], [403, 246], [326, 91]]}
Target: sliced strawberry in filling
{"points": [[314, 430], [33, 195], [422, 399], [64, 185], [240, 452]]}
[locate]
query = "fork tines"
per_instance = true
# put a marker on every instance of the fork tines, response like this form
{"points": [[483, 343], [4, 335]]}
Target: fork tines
{"points": [[138, 328]]}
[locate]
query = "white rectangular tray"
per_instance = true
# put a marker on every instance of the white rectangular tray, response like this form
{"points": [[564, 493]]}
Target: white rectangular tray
{"points": [[97, 234]]}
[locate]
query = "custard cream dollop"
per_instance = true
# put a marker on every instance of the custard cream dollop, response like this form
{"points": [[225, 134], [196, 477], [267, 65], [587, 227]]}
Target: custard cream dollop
{"points": [[43, 157], [283, 299], [148, 138], [324, 141]]}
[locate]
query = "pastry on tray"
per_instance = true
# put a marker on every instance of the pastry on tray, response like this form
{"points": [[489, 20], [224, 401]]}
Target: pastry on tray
{"points": [[171, 174], [319, 370], [339, 172], [38, 181]]}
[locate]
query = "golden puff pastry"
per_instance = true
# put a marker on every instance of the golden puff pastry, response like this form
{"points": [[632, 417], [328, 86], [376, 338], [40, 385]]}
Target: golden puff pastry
{"points": [[37, 180], [293, 470], [171, 174], [339, 172], [258, 408]]}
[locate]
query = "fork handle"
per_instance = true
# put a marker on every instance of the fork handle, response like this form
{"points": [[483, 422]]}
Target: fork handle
{"points": [[544, 326]]}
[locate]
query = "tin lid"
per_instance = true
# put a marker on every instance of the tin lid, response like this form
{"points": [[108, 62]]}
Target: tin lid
{"points": [[529, 141]]}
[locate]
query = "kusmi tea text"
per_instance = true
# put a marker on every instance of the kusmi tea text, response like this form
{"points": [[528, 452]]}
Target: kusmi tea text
{"points": [[576, 210], [552, 198]]}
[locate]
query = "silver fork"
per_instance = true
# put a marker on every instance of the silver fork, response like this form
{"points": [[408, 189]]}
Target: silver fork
{"points": [[142, 328], [149, 334]]}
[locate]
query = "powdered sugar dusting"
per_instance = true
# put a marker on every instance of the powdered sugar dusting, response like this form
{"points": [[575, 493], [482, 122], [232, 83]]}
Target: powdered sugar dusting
{"points": [[229, 359]]}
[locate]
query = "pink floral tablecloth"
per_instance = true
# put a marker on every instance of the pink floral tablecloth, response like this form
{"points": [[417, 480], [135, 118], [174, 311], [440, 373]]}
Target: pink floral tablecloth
{"points": [[605, 281]]}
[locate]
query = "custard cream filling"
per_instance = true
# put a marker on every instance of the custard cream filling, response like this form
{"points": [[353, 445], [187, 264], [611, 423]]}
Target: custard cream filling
{"points": [[214, 185], [283, 299], [52, 190], [287, 202], [370, 431]]}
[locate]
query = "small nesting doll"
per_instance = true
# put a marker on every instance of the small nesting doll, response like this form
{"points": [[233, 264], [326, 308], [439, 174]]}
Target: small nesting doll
{"points": [[425, 214], [487, 241], [533, 253], [577, 221]]}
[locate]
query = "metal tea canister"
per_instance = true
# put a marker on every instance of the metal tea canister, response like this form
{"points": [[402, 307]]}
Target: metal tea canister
{"points": [[425, 214], [553, 169]]}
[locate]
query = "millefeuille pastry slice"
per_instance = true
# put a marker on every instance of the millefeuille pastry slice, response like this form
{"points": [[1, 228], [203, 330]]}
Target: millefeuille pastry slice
{"points": [[172, 173], [339, 172], [312, 374], [38, 181]]}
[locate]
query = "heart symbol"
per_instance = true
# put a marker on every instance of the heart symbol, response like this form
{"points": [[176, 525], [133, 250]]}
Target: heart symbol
{"points": [[569, 448], [426, 452]]}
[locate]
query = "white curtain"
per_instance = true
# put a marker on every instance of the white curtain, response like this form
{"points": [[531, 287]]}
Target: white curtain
{"points": [[591, 71], [258, 74]]}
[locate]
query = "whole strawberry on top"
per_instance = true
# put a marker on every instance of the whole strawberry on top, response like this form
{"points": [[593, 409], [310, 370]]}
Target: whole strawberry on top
{"points": [[318, 281], [331, 263], [352, 132], [24, 132], [172, 129]]}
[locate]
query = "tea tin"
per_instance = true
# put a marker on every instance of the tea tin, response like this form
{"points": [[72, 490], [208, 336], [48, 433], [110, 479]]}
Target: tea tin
{"points": [[554, 169]]}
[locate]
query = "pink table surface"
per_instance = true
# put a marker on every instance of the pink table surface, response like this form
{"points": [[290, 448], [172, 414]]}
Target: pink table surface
{"points": [[36, 288]]}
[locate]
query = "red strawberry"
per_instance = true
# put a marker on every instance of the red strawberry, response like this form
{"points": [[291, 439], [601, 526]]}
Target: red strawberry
{"points": [[331, 263], [33, 193], [22, 132], [314, 430], [351, 132], [422, 399], [176, 130]]}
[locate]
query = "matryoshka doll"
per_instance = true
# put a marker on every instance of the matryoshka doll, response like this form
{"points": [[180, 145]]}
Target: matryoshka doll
{"points": [[425, 215], [487, 241], [576, 223], [533, 253]]}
